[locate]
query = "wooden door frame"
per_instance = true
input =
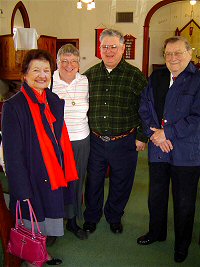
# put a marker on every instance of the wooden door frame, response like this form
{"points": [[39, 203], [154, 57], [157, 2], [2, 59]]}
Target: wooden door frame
{"points": [[20, 6], [146, 39]]}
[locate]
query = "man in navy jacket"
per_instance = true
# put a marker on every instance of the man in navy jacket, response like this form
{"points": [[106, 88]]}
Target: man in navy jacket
{"points": [[170, 111]]}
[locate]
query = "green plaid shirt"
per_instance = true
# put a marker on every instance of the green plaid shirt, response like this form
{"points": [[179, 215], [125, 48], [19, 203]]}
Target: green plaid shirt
{"points": [[114, 99]]}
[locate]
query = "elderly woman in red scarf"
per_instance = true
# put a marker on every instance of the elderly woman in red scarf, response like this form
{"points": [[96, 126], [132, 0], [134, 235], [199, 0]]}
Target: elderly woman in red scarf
{"points": [[37, 152]]}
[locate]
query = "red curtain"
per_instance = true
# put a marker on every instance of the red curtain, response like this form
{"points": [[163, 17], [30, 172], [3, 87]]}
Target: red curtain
{"points": [[97, 42]]}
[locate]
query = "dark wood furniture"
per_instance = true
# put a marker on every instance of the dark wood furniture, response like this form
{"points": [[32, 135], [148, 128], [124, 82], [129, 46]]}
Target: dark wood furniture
{"points": [[48, 43], [11, 60], [61, 42]]}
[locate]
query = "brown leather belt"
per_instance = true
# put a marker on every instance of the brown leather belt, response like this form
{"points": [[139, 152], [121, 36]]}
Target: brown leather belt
{"points": [[106, 138]]}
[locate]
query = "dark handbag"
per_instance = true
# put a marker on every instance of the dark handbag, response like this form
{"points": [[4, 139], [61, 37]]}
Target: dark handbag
{"points": [[25, 243]]}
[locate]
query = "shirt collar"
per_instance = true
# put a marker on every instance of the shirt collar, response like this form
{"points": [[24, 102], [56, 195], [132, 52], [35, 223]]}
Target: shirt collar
{"points": [[56, 77], [189, 69], [119, 66]]}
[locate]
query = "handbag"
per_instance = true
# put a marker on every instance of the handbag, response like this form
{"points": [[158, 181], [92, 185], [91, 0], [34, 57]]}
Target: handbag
{"points": [[25, 243]]}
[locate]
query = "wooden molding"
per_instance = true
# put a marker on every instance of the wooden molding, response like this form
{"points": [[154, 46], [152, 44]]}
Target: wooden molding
{"points": [[146, 39], [20, 6], [186, 25]]}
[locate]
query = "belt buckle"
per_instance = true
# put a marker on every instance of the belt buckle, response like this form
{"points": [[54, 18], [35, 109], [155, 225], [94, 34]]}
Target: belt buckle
{"points": [[105, 138]]}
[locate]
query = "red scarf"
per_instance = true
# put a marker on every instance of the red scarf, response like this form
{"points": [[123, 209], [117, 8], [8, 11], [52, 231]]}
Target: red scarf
{"points": [[58, 177]]}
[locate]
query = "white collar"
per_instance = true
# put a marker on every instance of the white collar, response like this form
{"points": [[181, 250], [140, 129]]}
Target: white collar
{"points": [[56, 78]]}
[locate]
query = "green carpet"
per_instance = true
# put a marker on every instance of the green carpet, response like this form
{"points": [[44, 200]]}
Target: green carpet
{"points": [[104, 249]]}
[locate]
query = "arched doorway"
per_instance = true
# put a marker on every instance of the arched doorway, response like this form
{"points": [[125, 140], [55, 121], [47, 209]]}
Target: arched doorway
{"points": [[146, 40], [20, 6]]}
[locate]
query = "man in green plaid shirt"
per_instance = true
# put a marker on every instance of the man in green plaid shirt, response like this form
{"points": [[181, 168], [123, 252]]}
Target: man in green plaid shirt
{"points": [[115, 87]]}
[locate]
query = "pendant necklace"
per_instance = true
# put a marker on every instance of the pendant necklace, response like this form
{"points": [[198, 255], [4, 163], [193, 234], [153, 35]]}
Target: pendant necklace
{"points": [[72, 99]]}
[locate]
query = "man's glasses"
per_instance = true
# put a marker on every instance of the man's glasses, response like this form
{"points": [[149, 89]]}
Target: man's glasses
{"points": [[112, 48], [65, 62], [177, 54]]}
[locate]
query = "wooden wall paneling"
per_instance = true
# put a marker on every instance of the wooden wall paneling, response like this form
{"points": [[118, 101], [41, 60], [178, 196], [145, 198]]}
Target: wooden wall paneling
{"points": [[146, 39], [48, 43], [10, 60]]}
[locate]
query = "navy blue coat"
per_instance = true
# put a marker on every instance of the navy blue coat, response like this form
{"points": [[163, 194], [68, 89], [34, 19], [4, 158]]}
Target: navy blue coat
{"points": [[25, 168], [182, 113]]}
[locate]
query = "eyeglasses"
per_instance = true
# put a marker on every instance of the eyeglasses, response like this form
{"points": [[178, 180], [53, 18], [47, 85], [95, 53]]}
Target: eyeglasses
{"points": [[177, 54], [65, 62], [112, 48]]}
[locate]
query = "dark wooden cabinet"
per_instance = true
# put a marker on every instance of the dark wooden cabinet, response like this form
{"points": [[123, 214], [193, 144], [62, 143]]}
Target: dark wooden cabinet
{"points": [[48, 43], [11, 60]]}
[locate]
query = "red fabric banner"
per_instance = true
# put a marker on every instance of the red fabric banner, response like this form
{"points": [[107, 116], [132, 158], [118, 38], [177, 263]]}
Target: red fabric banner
{"points": [[97, 42]]}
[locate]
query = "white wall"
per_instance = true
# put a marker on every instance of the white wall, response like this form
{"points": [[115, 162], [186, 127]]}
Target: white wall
{"points": [[164, 23], [62, 19]]}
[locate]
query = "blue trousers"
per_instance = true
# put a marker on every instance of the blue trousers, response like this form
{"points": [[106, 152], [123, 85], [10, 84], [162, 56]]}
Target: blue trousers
{"points": [[121, 156]]}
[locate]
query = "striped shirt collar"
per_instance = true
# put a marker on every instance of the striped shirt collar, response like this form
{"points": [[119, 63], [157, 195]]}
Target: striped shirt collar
{"points": [[56, 77]]}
